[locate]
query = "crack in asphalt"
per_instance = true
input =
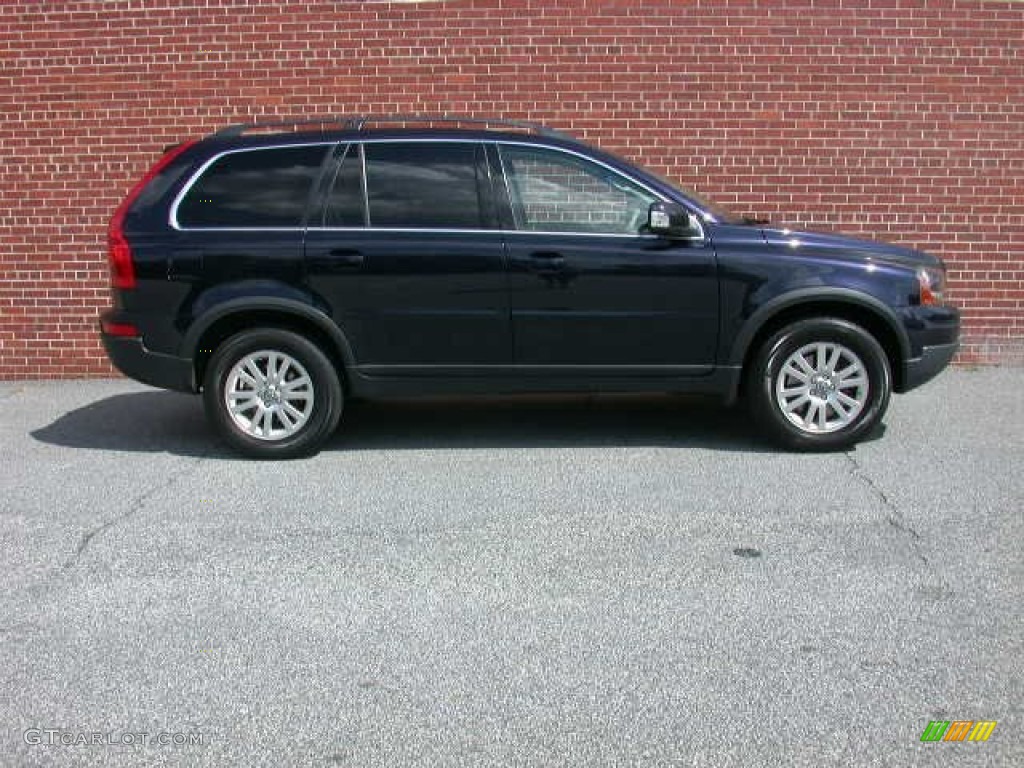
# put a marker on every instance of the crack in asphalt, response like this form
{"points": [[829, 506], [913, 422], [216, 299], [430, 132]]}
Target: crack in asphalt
{"points": [[133, 509], [893, 515]]}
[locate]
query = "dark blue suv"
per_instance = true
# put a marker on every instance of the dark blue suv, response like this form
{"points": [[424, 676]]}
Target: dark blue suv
{"points": [[282, 268]]}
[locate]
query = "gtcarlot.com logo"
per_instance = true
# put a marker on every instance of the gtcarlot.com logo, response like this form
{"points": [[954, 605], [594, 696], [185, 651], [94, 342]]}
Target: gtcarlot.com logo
{"points": [[958, 730], [56, 737]]}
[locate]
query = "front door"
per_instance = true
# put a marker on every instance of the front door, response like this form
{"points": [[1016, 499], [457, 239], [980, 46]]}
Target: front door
{"points": [[589, 291]]}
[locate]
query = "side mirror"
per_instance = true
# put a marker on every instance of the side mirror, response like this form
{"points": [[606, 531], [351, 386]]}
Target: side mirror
{"points": [[672, 220]]}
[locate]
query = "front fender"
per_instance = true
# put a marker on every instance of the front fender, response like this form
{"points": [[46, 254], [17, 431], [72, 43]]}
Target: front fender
{"points": [[809, 296]]}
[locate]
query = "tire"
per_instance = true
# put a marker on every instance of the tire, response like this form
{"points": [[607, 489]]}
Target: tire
{"points": [[272, 394], [820, 384]]}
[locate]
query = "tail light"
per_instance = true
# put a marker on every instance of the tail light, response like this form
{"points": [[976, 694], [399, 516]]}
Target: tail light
{"points": [[122, 268], [118, 329]]}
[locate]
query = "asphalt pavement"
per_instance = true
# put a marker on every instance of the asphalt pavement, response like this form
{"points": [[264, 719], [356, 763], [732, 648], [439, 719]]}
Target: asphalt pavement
{"points": [[524, 582]]}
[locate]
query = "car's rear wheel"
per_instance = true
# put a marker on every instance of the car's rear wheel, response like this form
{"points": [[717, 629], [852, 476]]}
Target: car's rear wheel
{"points": [[819, 384], [273, 394]]}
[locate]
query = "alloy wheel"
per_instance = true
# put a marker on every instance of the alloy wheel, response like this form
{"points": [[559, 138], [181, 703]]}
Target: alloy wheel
{"points": [[822, 387], [269, 395]]}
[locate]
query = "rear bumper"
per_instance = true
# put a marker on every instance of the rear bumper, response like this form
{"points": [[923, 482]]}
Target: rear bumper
{"points": [[932, 360], [130, 356]]}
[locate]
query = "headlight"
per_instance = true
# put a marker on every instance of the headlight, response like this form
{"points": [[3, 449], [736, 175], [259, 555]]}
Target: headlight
{"points": [[932, 286]]}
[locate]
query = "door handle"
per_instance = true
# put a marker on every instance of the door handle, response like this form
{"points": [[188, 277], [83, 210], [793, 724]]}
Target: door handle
{"points": [[347, 257], [547, 261]]}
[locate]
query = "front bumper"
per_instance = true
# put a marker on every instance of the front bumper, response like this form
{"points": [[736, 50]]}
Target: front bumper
{"points": [[931, 362], [934, 336], [130, 356]]}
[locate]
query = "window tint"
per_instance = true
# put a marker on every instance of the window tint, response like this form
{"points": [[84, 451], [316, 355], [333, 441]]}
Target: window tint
{"points": [[346, 205], [556, 192], [423, 184], [258, 188]]}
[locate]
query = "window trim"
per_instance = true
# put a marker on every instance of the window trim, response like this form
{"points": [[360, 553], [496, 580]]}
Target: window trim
{"points": [[495, 231], [183, 192], [323, 203], [495, 144], [367, 222]]}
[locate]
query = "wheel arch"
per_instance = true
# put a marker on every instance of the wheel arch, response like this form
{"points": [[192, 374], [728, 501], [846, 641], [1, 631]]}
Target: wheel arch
{"points": [[865, 311], [229, 318]]}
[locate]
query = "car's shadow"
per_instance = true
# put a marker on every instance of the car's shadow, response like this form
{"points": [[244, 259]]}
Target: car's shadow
{"points": [[175, 423]]}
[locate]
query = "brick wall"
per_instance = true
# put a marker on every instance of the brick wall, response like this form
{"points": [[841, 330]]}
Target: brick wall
{"points": [[898, 118]]}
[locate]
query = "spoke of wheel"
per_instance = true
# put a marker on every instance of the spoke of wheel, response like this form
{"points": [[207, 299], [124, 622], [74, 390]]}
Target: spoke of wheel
{"points": [[253, 422], [295, 412], [282, 414], [833, 360], [794, 404], [256, 373], [247, 378], [792, 371], [847, 371], [267, 422], [282, 372], [812, 413], [822, 415], [841, 412], [859, 381], [788, 392], [290, 386], [842, 397], [808, 369], [244, 405], [821, 353]]}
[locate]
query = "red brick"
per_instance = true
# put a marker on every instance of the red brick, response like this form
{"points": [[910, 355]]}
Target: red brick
{"points": [[894, 118]]}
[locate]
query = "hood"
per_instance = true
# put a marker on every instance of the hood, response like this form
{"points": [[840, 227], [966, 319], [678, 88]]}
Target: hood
{"points": [[851, 248]]}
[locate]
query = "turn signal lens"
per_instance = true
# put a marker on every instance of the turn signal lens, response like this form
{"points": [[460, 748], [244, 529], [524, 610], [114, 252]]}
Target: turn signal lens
{"points": [[932, 283]]}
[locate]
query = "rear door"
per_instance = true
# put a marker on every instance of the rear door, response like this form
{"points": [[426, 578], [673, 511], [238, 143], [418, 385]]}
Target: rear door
{"points": [[408, 259]]}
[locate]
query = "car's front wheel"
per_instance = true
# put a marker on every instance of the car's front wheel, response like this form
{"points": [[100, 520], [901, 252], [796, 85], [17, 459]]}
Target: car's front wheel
{"points": [[272, 394], [819, 384]]}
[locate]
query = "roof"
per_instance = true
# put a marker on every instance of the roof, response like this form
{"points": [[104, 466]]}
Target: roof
{"points": [[360, 123]]}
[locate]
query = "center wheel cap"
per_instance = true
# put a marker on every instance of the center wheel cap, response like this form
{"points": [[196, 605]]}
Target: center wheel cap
{"points": [[270, 397], [822, 387]]}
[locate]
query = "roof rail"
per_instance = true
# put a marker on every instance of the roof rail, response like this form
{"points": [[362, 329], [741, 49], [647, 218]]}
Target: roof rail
{"points": [[359, 122]]}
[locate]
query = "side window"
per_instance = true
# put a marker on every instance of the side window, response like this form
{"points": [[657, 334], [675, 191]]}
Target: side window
{"points": [[254, 188], [429, 185], [556, 192], [346, 205]]}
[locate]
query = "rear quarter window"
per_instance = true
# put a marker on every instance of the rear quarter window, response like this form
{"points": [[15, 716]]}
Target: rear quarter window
{"points": [[258, 188]]}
